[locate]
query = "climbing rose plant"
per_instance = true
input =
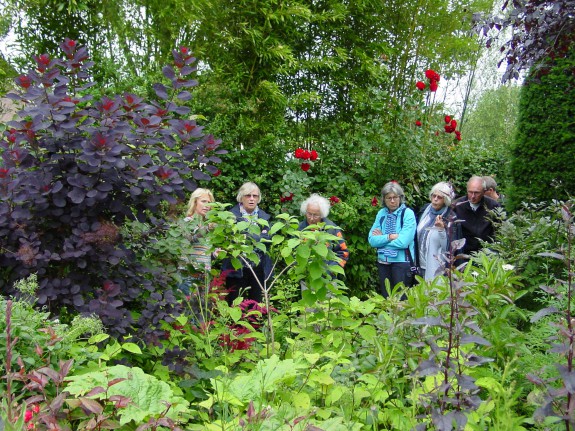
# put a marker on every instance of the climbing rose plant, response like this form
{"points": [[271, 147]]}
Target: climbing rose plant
{"points": [[75, 167]]}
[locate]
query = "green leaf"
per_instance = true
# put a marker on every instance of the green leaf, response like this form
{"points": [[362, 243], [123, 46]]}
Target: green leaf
{"points": [[321, 249], [276, 239], [132, 348], [148, 396]]}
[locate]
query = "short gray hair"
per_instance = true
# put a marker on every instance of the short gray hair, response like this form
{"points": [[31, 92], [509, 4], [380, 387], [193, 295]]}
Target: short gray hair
{"points": [[444, 189], [322, 202], [246, 189], [392, 187], [490, 183], [475, 178]]}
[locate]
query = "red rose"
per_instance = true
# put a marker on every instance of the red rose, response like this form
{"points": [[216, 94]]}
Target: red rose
{"points": [[217, 173], [453, 124], [433, 85], [305, 167], [447, 119], [334, 200], [418, 123], [448, 128], [374, 202], [313, 155], [305, 155], [28, 416], [420, 85], [432, 75], [298, 153], [458, 137]]}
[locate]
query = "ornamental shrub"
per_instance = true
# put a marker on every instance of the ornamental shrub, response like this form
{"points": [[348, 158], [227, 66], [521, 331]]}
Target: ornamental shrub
{"points": [[544, 149], [75, 167]]}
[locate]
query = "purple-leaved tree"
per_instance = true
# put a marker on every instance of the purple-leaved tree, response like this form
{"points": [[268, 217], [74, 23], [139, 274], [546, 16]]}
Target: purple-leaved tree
{"points": [[538, 31], [74, 167]]}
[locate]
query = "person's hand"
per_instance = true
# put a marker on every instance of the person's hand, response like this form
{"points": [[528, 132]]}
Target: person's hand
{"points": [[376, 232], [392, 236], [439, 222]]}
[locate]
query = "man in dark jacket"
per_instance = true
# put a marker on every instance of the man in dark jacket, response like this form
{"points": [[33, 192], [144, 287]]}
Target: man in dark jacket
{"points": [[474, 212]]}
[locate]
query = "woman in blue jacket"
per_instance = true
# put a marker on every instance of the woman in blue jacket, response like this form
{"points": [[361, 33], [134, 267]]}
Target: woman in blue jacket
{"points": [[392, 234]]}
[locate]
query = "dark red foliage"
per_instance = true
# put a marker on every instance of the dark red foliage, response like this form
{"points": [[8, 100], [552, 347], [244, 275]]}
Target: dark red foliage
{"points": [[73, 168]]}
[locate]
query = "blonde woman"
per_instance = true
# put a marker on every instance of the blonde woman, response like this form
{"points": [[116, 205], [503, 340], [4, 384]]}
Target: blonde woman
{"points": [[198, 207]]}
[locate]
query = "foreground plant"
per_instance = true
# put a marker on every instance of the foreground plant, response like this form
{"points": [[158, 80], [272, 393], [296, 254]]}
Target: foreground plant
{"points": [[558, 403], [74, 168]]}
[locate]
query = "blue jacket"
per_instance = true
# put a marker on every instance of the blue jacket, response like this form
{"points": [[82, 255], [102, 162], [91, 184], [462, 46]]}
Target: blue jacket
{"points": [[406, 229]]}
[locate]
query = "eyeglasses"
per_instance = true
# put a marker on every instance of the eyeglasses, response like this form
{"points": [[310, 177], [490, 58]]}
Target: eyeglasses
{"points": [[434, 196], [469, 192], [251, 195], [313, 216], [392, 198]]}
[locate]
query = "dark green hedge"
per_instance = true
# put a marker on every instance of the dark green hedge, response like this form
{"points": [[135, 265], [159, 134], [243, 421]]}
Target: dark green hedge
{"points": [[543, 163]]}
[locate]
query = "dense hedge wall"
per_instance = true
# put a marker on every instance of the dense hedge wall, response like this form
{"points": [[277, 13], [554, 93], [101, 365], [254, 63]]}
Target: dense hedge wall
{"points": [[542, 166]]}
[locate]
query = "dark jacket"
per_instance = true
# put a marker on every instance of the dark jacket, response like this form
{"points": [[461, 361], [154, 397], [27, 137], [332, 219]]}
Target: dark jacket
{"points": [[340, 248], [265, 260], [475, 225]]}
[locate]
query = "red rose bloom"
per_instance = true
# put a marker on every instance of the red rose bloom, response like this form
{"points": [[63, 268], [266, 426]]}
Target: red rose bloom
{"points": [[298, 153], [453, 124], [217, 173], [28, 416], [449, 129], [374, 202], [305, 167], [305, 155], [432, 75], [313, 155], [334, 200], [420, 85], [433, 86], [418, 123], [447, 119]]}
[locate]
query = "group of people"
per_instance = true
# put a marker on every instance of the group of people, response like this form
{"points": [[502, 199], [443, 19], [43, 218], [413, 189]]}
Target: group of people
{"points": [[403, 240], [248, 281], [406, 242]]}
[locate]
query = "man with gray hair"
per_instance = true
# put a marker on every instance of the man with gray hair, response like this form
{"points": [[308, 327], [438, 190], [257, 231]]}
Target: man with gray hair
{"points": [[475, 212], [491, 187]]}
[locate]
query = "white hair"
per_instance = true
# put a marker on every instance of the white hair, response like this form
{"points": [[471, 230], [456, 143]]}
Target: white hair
{"points": [[320, 201]]}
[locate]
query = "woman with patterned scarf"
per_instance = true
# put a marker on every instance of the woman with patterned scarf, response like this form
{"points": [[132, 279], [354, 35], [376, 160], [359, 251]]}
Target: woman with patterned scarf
{"points": [[392, 234], [432, 238], [247, 209]]}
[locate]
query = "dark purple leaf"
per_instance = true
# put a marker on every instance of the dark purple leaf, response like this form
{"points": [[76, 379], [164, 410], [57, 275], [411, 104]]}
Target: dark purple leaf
{"points": [[168, 72], [542, 313], [161, 91]]}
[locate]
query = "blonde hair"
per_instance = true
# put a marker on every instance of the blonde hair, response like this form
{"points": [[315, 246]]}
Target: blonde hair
{"points": [[193, 203]]}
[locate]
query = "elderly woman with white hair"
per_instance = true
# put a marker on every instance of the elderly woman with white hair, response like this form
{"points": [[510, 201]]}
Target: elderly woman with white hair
{"points": [[392, 234], [432, 238], [316, 209]]}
